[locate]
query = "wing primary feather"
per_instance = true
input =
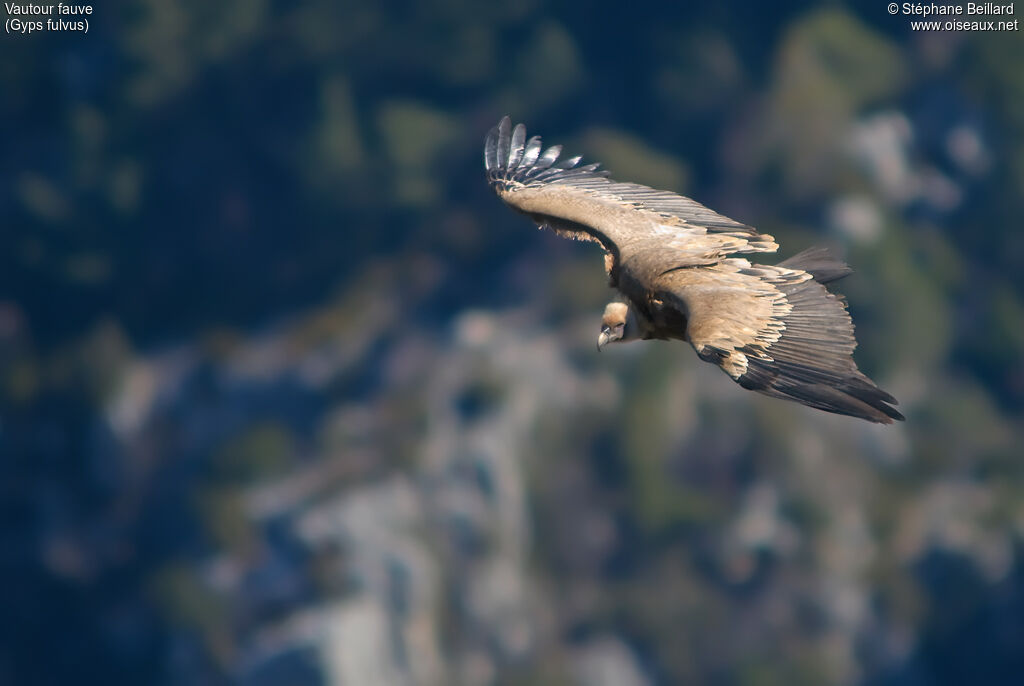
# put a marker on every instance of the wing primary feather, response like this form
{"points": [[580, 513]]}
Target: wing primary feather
{"points": [[548, 158], [491, 150], [569, 162], [820, 263], [531, 153], [517, 146], [504, 141]]}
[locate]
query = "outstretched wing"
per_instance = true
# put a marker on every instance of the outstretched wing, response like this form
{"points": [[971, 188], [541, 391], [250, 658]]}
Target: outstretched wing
{"points": [[777, 330], [582, 202]]}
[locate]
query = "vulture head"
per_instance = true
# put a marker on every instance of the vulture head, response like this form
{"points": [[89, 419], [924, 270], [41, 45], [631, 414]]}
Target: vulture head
{"points": [[618, 325]]}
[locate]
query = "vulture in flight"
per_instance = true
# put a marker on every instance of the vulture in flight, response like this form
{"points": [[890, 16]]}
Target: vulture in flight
{"points": [[773, 329]]}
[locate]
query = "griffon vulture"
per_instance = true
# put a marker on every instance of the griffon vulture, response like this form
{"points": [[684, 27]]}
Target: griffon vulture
{"points": [[773, 329]]}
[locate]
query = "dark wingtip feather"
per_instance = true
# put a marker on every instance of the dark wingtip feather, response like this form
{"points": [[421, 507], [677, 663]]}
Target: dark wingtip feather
{"points": [[517, 146], [853, 402], [569, 162], [531, 153], [820, 263], [491, 150], [510, 157], [504, 140], [548, 157], [861, 388]]}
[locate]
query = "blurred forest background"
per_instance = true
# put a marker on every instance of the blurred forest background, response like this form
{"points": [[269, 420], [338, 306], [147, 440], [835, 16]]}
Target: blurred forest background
{"points": [[288, 397]]}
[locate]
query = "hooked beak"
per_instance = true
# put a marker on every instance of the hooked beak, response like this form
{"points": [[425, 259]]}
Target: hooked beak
{"points": [[604, 338]]}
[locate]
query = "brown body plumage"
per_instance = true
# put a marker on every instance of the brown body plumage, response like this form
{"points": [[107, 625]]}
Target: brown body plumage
{"points": [[774, 329]]}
